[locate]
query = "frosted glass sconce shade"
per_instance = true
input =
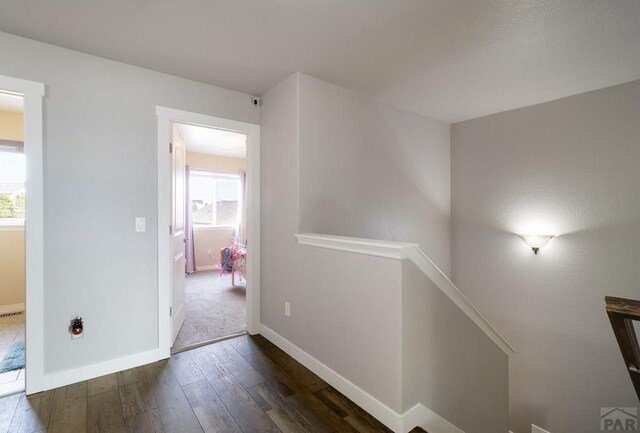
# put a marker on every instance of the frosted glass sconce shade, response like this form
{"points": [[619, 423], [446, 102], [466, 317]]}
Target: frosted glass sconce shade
{"points": [[536, 241]]}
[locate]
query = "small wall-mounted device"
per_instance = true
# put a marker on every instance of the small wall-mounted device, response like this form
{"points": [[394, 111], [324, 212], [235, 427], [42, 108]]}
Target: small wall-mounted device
{"points": [[141, 224], [256, 101], [77, 328]]}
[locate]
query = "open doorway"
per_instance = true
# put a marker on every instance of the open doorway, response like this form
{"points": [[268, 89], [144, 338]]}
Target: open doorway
{"points": [[215, 232], [209, 199], [12, 244]]}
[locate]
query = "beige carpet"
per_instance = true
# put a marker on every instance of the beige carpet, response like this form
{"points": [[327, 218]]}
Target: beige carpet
{"points": [[214, 308]]}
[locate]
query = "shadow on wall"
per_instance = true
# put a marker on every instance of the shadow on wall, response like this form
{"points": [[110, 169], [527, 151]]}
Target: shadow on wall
{"points": [[450, 365], [371, 170]]}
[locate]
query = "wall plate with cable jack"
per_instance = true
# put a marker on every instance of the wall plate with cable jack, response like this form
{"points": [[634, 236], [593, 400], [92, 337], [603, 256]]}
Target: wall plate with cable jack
{"points": [[76, 329]]}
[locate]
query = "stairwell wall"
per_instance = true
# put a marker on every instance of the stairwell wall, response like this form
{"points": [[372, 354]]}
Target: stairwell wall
{"points": [[336, 162], [570, 168]]}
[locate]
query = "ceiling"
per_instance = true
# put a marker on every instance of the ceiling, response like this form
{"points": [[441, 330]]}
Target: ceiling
{"points": [[201, 139], [448, 59], [11, 103]]}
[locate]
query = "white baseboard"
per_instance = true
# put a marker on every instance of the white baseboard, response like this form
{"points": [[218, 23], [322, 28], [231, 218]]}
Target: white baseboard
{"points": [[67, 377], [376, 408], [10, 388], [418, 415], [207, 268], [12, 308]]}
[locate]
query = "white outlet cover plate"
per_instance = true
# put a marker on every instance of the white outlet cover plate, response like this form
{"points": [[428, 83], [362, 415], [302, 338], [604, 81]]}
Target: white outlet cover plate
{"points": [[141, 224]]}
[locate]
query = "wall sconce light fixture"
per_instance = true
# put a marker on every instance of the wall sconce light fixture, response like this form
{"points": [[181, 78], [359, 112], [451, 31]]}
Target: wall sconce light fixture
{"points": [[536, 241]]}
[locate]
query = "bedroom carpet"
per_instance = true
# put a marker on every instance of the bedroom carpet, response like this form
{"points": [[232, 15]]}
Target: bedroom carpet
{"points": [[214, 308]]}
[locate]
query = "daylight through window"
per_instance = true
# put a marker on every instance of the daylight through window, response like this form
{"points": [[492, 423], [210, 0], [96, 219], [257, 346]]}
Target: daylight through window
{"points": [[12, 176], [215, 198]]}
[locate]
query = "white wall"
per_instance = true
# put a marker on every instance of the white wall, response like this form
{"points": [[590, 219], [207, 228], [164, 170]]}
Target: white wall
{"points": [[329, 165], [340, 309], [374, 171], [568, 167], [100, 173], [449, 364]]}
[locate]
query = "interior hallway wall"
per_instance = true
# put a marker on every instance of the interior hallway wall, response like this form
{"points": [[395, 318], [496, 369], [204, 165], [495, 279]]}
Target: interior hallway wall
{"points": [[100, 167], [340, 310], [568, 167], [323, 173], [371, 170]]}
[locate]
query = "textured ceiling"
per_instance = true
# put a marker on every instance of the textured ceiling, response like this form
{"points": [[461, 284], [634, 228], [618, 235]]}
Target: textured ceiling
{"points": [[211, 141], [448, 59]]}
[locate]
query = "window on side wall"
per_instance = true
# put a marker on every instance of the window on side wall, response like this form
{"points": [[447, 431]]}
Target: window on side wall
{"points": [[215, 198], [12, 191]]}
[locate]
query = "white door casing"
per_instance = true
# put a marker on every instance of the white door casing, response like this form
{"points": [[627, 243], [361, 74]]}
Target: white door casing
{"points": [[178, 236], [33, 94], [167, 116]]}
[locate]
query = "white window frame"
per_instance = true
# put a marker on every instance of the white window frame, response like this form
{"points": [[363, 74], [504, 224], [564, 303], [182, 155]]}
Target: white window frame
{"points": [[218, 175], [12, 224]]}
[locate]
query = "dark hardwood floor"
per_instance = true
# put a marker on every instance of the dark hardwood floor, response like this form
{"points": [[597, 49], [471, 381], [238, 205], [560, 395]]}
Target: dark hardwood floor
{"points": [[241, 385]]}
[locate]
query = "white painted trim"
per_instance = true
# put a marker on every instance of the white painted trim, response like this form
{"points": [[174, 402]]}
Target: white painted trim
{"points": [[206, 268], [411, 251], [11, 308], [375, 407], [419, 415], [165, 118], [422, 262], [66, 377], [371, 247], [164, 240], [12, 227], [213, 228], [11, 388], [33, 94]]}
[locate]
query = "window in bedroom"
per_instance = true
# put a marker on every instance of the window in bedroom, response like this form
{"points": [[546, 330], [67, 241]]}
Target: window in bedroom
{"points": [[12, 176], [215, 198]]}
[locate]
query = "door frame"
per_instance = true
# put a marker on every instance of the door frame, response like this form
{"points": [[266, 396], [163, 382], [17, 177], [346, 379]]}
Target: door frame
{"points": [[166, 116], [33, 94]]}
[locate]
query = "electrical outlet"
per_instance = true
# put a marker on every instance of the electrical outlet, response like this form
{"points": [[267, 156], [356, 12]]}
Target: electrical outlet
{"points": [[287, 309], [209, 252]]}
